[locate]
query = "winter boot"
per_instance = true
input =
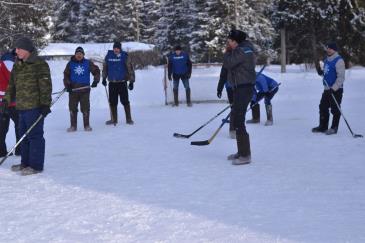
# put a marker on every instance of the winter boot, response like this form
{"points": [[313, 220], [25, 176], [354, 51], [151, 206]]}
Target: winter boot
{"points": [[29, 171], [73, 119], [86, 116], [244, 151], [176, 97], [331, 131], [114, 116], [128, 117], [323, 124], [188, 99], [269, 121], [255, 114], [17, 167]]}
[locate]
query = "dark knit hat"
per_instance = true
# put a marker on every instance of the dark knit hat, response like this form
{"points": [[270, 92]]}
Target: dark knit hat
{"points": [[24, 43], [237, 35], [80, 49], [332, 45], [178, 48], [118, 45]]}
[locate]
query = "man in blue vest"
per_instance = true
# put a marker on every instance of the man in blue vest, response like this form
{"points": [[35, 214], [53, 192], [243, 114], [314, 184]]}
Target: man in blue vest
{"points": [[265, 88], [333, 79], [77, 76], [118, 69], [179, 67]]}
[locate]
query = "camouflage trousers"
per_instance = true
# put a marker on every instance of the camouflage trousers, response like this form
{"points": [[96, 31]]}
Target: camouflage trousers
{"points": [[79, 97]]}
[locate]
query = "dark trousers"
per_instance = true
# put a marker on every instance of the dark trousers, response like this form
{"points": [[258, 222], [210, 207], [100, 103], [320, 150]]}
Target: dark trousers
{"points": [[79, 97], [118, 90], [230, 99], [184, 80], [33, 145], [4, 128], [328, 103], [242, 96]]}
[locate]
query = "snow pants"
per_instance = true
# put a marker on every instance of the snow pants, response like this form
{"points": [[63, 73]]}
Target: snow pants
{"points": [[33, 145]]}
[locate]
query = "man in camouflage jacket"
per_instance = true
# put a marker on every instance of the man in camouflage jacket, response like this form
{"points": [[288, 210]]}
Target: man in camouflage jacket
{"points": [[31, 86]]}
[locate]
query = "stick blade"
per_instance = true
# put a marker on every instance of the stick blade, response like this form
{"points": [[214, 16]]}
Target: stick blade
{"points": [[178, 135], [358, 136], [200, 143]]}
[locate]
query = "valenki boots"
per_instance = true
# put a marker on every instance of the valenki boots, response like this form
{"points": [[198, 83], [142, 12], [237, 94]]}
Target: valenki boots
{"points": [[86, 116], [255, 114], [188, 98], [244, 151], [176, 97], [128, 117], [73, 119], [269, 121], [114, 116]]}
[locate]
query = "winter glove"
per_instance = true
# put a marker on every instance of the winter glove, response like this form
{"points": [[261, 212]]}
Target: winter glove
{"points": [[104, 81], [188, 76], [130, 86], [219, 94], [169, 77], [94, 84], [320, 72], [45, 110], [69, 89]]}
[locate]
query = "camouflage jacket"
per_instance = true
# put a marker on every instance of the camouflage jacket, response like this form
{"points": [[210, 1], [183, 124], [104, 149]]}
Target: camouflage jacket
{"points": [[30, 83]]}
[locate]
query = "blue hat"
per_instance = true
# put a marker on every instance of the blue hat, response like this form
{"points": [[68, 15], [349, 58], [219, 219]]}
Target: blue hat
{"points": [[332, 45]]}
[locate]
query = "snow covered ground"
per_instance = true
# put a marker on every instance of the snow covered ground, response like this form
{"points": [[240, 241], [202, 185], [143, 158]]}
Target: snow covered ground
{"points": [[140, 184]]}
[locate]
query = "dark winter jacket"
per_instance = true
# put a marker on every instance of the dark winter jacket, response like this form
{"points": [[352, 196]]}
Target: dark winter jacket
{"points": [[77, 73], [240, 65], [179, 64], [30, 83], [118, 68]]}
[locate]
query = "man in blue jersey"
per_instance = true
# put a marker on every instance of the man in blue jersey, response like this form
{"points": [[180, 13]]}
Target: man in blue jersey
{"points": [[77, 76], [265, 88], [118, 69], [179, 67], [333, 79]]}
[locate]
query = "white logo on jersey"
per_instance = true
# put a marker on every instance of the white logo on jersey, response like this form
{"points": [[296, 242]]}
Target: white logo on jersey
{"points": [[79, 70]]}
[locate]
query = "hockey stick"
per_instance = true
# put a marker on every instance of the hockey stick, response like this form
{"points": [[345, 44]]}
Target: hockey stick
{"points": [[207, 142], [75, 89], [110, 107], [30, 129], [339, 108], [178, 135]]}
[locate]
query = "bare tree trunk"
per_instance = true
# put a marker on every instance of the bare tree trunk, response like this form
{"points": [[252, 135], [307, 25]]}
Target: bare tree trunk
{"points": [[283, 50]]}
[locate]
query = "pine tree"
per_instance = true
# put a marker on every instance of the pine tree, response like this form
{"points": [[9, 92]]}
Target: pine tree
{"points": [[15, 19]]}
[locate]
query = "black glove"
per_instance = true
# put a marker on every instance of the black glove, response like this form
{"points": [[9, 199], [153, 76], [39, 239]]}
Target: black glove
{"points": [[130, 86], [45, 110], [3, 107], [69, 89], [169, 77], [188, 76], [104, 81], [94, 84], [320, 72], [219, 94]]}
